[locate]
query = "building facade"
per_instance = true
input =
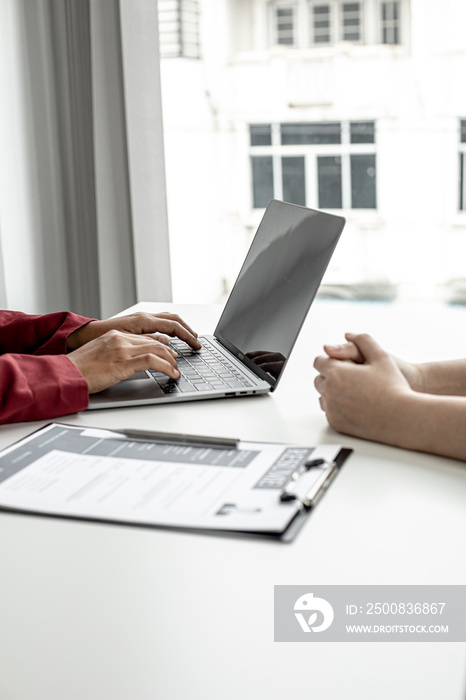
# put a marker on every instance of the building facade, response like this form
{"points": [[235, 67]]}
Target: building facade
{"points": [[352, 107]]}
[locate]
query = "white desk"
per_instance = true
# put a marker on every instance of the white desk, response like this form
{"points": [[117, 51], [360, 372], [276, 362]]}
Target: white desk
{"points": [[100, 612]]}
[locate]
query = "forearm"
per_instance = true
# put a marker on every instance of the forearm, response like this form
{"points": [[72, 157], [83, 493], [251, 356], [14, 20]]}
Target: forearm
{"points": [[445, 378], [429, 423], [40, 334], [38, 388]]}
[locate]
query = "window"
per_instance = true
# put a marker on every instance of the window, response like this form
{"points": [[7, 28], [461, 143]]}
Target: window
{"points": [[335, 21], [363, 194], [362, 132], [262, 181], [284, 24], [329, 182], [321, 31], [462, 198], [331, 165], [351, 21], [261, 135], [292, 134], [305, 23], [293, 179], [390, 22], [179, 28]]}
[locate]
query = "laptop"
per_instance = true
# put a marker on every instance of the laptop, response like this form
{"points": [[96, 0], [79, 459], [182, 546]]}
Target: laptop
{"points": [[261, 320]]}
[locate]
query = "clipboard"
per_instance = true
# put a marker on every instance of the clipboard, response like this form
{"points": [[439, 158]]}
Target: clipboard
{"points": [[185, 482]]}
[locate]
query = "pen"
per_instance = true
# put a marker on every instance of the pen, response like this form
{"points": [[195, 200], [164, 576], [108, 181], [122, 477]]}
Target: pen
{"points": [[178, 439]]}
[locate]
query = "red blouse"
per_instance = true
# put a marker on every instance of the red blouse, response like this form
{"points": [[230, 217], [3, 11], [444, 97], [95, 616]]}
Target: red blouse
{"points": [[37, 380]]}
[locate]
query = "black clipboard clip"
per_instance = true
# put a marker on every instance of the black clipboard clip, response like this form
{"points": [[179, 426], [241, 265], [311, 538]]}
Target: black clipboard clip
{"points": [[317, 488]]}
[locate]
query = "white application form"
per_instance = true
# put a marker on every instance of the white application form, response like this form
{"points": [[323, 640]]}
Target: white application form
{"points": [[100, 475]]}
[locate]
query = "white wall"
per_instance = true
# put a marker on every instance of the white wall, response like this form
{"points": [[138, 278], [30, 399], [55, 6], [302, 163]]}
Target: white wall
{"points": [[192, 172]]}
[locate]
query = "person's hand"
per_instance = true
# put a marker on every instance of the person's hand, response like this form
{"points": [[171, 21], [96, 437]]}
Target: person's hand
{"points": [[117, 355], [350, 352], [156, 325], [363, 399]]}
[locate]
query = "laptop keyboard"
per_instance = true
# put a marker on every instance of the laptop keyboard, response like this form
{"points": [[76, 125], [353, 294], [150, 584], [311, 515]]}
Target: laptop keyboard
{"points": [[201, 370]]}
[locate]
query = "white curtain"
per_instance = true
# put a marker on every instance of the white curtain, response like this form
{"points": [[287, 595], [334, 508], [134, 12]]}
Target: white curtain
{"points": [[83, 218]]}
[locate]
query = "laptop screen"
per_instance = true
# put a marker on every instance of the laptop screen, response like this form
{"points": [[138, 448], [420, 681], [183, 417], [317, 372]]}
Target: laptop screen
{"points": [[277, 285]]}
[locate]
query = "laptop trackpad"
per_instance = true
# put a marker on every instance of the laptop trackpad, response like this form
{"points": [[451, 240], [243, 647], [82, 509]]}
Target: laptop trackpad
{"points": [[137, 387]]}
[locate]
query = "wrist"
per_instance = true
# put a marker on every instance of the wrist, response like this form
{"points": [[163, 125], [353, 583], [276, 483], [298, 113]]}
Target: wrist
{"points": [[413, 374], [413, 422], [81, 336], [400, 410]]}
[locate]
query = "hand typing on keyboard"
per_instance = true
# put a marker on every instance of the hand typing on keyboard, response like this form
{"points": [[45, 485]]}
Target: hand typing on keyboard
{"points": [[156, 325], [202, 370], [106, 352]]}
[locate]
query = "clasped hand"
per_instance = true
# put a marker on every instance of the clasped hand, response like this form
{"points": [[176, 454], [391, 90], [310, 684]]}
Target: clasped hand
{"points": [[361, 388]]}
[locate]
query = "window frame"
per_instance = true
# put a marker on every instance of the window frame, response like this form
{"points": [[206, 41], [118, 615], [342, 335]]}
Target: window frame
{"points": [[181, 23], [389, 24], [371, 25], [341, 16], [462, 166], [336, 28], [312, 152], [311, 5], [274, 8]]}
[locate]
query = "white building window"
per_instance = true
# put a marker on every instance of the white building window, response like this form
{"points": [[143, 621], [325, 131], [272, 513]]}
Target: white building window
{"points": [[284, 21], [335, 21], [462, 198], [305, 23], [321, 24], [331, 165], [390, 22], [179, 28], [351, 23]]}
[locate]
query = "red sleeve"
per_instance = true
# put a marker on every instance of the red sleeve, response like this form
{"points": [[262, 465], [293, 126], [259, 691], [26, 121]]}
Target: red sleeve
{"points": [[43, 335], [38, 388]]}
